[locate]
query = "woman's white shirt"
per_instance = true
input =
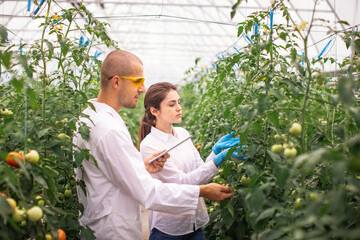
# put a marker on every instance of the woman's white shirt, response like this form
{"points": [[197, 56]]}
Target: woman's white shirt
{"points": [[184, 166]]}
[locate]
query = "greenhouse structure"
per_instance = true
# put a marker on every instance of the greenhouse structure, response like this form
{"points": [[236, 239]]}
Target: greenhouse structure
{"points": [[268, 126]]}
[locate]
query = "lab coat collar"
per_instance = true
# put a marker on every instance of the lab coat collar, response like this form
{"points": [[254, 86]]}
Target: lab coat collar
{"points": [[104, 108]]}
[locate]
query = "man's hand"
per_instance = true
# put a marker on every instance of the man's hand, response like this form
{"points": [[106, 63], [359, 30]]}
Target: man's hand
{"points": [[215, 192], [158, 164]]}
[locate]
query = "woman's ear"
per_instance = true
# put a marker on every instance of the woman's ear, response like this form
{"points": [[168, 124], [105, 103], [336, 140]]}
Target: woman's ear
{"points": [[154, 111]]}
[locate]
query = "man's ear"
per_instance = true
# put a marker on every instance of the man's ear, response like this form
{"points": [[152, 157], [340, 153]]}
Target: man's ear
{"points": [[115, 82], [154, 111]]}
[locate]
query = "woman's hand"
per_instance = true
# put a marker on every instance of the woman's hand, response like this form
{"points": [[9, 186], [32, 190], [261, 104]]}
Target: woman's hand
{"points": [[158, 164]]}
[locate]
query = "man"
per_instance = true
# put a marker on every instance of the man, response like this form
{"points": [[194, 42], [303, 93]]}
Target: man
{"points": [[121, 183]]}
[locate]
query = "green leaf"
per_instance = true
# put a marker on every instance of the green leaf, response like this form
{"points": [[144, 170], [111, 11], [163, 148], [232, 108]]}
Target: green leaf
{"points": [[64, 47], [273, 156], [257, 128], [240, 30], [227, 111], [274, 118], [230, 208], [3, 34], [84, 132], [23, 59], [18, 84], [87, 233], [293, 54], [262, 104], [357, 46], [267, 213], [5, 208], [239, 99], [45, 131], [282, 174], [31, 97], [51, 48], [345, 88], [40, 180], [52, 173], [6, 59], [355, 112], [228, 219], [283, 35], [79, 157]]}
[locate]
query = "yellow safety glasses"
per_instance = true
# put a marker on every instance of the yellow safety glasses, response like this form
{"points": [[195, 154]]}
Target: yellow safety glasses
{"points": [[136, 81]]}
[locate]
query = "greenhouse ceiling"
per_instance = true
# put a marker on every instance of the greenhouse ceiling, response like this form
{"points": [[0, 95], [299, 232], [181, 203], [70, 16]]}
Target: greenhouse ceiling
{"points": [[169, 35]]}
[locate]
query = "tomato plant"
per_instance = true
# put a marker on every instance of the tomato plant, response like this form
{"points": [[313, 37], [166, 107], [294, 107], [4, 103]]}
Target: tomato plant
{"points": [[300, 127], [49, 84]]}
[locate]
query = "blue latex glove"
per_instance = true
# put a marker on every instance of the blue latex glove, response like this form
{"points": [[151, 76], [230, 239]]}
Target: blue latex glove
{"points": [[218, 159], [225, 142]]}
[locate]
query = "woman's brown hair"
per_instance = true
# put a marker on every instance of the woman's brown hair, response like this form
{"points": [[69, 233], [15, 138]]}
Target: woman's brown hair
{"points": [[153, 97]]}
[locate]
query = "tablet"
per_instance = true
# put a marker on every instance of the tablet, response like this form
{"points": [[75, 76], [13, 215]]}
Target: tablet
{"points": [[162, 154]]}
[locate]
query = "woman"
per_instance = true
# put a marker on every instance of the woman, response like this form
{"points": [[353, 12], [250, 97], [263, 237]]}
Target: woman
{"points": [[185, 166]]}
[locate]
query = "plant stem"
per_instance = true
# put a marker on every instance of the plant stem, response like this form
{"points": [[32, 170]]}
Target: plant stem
{"points": [[308, 66], [61, 56], [44, 74]]}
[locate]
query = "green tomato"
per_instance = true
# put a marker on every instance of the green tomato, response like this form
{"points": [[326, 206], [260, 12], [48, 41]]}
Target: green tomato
{"points": [[48, 236], [6, 112], [285, 145], [297, 203], [68, 193], [64, 121], [277, 137], [63, 136], [290, 152], [245, 181], [295, 129], [18, 215], [34, 214], [61, 196], [11, 202], [41, 203], [23, 223], [313, 196], [276, 148], [32, 156]]}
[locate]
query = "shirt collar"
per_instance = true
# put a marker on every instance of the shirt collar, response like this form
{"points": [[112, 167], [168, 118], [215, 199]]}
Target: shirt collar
{"points": [[104, 108], [162, 135]]}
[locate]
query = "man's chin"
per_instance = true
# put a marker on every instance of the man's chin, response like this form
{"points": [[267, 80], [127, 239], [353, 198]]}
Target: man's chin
{"points": [[131, 105]]}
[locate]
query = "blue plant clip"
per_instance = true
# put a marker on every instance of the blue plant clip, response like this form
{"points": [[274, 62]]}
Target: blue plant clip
{"points": [[322, 52], [248, 38], [256, 28], [97, 54], [38, 8], [81, 41], [29, 5]]}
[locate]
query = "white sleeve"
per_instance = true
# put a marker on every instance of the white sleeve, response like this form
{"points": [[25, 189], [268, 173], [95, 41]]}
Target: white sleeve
{"points": [[203, 173], [122, 164]]}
